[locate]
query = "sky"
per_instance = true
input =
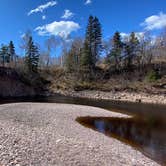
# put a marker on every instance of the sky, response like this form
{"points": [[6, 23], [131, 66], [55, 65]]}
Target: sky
{"points": [[66, 18]]}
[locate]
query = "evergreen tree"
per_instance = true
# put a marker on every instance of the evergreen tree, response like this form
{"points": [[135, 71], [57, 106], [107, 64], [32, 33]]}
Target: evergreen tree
{"points": [[86, 58], [117, 46], [97, 39], [32, 56], [86, 61], [12, 51], [4, 55], [89, 37], [93, 38]]}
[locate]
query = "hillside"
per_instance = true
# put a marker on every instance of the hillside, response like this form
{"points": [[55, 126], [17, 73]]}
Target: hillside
{"points": [[146, 81], [15, 84]]}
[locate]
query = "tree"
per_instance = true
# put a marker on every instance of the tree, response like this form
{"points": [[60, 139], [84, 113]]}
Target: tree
{"points": [[50, 43], [86, 62], [89, 32], [70, 62], [145, 50], [4, 55], [97, 45], [12, 53], [25, 39], [117, 46], [32, 56], [133, 48], [86, 58], [93, 38], [74, 55]]}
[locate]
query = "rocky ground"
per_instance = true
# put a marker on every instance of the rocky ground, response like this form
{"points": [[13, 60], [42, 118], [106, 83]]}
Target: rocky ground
{"points": [[47, 134], [118, 96]]}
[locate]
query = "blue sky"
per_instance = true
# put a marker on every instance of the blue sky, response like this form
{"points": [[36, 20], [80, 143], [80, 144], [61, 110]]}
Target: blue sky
{"points": [[69, 17]]}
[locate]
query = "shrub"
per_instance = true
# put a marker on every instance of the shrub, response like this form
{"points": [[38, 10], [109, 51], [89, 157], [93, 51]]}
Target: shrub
{"points": [[152, 76]]}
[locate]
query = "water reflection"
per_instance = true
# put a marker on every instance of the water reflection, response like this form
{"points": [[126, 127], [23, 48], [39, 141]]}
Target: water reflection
{"points": [[148, 136], [139, 109], [100, 126]]}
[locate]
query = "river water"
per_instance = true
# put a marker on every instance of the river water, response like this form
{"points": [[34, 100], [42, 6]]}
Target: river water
{"points": [[145, 130]]}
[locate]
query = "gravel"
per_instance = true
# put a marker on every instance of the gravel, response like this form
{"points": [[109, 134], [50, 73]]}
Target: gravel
{"points": [[42, 134], [118, 96]]}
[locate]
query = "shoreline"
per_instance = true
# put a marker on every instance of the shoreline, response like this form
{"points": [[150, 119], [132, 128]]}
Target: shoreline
{"points": [[116, 96], [47, 134], [121, 96]]}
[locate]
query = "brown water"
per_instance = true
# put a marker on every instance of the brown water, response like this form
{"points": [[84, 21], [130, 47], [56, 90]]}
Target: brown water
{"points": [[147, 136], [145, 131]]}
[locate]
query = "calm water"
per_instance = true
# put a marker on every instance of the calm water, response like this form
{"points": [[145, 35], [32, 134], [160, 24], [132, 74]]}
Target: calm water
{"points": [[146, 130], [148, 136]]}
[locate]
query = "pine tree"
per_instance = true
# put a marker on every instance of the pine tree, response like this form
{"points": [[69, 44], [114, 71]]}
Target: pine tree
{"points": [[32, 56], [4, 55], [97, 39], [89, 37], [12, 51], [86, 62], [117, 46], [86, 58], [93, 38]]}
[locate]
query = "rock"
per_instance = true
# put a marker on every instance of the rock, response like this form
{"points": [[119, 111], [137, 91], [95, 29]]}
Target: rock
{"points": [[57, 141], [138, 100]]}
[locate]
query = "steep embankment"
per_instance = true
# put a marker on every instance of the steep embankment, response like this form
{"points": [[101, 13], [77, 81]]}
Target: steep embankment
{"points": [[11, 84], [147, 86]]}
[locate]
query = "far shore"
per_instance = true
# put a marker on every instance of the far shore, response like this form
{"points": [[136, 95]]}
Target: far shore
{"points": [[117, 96]]}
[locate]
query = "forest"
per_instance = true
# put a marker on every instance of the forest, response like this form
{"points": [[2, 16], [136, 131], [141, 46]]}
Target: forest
{"points": [[136, 61]]}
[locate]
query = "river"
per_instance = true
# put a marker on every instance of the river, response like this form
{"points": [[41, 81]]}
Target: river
{"points": [[145, 130]]}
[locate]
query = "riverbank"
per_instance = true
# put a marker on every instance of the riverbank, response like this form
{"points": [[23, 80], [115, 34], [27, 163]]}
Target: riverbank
{"points": [[117, 96], [47, 134]]}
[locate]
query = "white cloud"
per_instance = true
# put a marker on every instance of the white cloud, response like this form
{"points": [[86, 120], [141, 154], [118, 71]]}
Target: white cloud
{"points": [[41, 8], [88, 2], [126, 36], [67, 14], [61, 28], [155, 22], [43, 17]]}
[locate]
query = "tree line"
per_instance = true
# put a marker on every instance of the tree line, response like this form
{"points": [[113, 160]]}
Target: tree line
{"points": [[84, 57], [136, 50], [9, 58]]}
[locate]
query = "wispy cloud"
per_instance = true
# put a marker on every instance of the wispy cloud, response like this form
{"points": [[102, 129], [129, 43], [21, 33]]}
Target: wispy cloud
{"points": [[22, 35], [67, 14], [61, 28], [41, 8], [88, 2], [155, 22]]}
